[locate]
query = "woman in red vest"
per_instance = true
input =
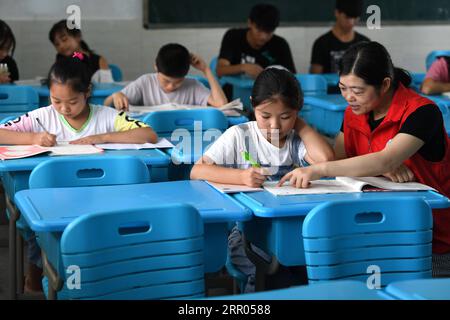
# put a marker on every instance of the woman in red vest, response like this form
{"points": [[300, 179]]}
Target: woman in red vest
{"points": [[388, 130]]}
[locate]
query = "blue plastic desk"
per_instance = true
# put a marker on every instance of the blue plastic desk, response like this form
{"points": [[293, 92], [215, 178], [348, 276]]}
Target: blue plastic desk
{"points": [[277, 225], [324, 112], [421, 289], [49, 211], [99, 94], [17, 172], [330, 290]]}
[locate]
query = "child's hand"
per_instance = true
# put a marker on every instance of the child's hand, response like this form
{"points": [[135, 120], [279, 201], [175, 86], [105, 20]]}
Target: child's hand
{"points": [[300, 177], [198, 63], [44, 139], [253, 177], [4, 78], [252, 69], [401, 174], [94, 139], [120, 101]]}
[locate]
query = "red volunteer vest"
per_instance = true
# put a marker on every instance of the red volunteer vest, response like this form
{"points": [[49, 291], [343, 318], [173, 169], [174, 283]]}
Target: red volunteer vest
{"points": [[359, 140]]}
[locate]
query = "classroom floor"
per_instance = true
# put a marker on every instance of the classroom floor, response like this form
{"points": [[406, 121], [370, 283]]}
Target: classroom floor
{"points": [[4, 273]]}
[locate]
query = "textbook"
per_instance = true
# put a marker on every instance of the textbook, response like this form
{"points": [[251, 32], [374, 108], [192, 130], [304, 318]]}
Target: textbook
{"points": [[232, 188], [346, 185], [24, 151], [233, 109]]}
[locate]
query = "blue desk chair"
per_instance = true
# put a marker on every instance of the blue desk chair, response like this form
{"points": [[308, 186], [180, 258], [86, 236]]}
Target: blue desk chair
{"points": [[177, 125], [6, 119], [151, 253], [17, 100], [312, 84], [89, 171], [116, 72], [213, 67], [433, 55], [343, 238]]}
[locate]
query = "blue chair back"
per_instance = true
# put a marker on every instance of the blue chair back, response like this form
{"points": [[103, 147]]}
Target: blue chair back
{"points": [[200, 79], [116, 72], [166, 122], [17, 100], [8, 118], [433, 55], [149, 253], [213, 66], [312, 84], [343, 238], [89, 171]]}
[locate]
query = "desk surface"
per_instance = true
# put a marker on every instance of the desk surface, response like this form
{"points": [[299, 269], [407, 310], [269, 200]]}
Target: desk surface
{"points": [[149, 156], [264, 204], [421, 289], [334, 102], [52, 209], [329, 290]]}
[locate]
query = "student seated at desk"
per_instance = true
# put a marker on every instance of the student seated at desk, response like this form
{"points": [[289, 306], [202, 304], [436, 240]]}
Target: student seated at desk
{"points": [[169, 83], [388, 130], [70, 118], [437, 79], [7, 47], [69, 40], [277, 142], [329, 48]]}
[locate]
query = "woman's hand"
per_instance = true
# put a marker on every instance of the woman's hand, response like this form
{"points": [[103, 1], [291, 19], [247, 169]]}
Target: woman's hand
{"points": [[401, 174], [300, 177]]}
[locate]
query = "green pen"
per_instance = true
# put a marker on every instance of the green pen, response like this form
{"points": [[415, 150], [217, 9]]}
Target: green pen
{"points": [[248, 157]]}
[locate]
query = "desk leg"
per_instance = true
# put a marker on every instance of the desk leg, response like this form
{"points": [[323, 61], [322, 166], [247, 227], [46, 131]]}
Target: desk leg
{"points": [[263, 267], [19, 269], [55, 283], [13, 217]]}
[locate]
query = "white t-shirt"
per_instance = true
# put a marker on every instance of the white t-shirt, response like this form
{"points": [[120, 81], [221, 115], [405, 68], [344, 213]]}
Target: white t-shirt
{"points": [[227, 150], [146, 91], [101, 120]]}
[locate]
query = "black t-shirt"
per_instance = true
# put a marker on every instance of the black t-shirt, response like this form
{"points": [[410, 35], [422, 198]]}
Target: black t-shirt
{"points": [[328, 50], [237, 50], [12, 68], [426, 124]]}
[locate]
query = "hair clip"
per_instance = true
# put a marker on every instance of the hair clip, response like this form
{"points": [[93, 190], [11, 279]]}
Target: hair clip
{"points": [[78, 55]]}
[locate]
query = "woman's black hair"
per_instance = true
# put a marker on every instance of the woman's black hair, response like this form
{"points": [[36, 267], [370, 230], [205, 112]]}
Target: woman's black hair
{"points": [[72, 71], [371, 62], [61, 27], [277, 84], [7, 38]]}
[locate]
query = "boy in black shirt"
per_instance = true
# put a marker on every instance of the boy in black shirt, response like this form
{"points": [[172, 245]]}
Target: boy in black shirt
{"points": [[252, 49], [330, 47]]}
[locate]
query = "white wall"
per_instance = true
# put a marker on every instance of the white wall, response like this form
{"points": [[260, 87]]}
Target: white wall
{"points": [[114, 29]]}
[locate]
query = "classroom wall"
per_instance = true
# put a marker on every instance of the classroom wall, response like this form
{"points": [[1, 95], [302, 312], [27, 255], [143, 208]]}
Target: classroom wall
{"points": [[114, 29]]}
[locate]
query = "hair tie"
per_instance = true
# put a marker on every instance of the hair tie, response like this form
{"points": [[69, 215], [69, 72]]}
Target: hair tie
{"points": [[78, 55]]}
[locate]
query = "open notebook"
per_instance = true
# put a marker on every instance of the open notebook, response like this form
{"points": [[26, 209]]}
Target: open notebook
{"points": [[232, 109], [346, 185], [232, 188], [17, 152]]}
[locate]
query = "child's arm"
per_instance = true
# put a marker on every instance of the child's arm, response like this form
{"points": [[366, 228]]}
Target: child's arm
{"points": [[339, 147], [206, 169], [217, 97], [401, 148], [430, 86], [138, 135], [119, 100], [317, 148], [44, 139]]}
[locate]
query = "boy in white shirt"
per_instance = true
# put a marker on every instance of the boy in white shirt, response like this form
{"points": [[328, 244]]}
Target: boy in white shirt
{"points": [[169, 83]]}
